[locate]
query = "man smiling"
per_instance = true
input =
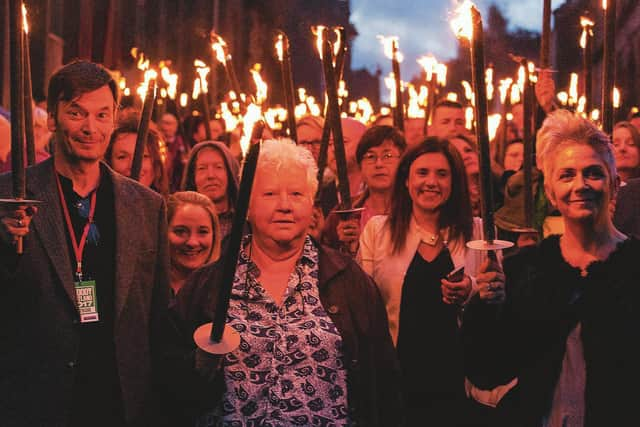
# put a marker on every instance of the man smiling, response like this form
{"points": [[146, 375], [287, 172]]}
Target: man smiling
{"points": [[80, 309]]}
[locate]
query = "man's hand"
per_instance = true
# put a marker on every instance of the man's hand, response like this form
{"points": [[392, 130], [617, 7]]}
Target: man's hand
{"points": [[348, 230], [15, 221]]}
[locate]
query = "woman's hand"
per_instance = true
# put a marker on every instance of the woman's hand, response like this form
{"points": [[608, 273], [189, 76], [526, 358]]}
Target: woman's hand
{"points": [[455, 292], [491, 282], [348, 230]]}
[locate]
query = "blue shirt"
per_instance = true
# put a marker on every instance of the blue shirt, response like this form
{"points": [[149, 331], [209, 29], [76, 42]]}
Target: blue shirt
{"points": [[288, 369]]}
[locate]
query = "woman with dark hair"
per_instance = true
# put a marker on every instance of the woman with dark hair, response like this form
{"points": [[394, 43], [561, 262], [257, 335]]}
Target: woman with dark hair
{"points": [[410, 254], [378, 154], [119, 154]]}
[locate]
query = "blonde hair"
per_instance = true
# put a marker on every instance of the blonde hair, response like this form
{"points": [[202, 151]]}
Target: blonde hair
{"points": [[562, 128], [279, 156], [182, 198]]}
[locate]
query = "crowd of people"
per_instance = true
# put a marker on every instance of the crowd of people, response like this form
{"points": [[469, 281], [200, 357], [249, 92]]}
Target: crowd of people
{"points": [[380, 315]]}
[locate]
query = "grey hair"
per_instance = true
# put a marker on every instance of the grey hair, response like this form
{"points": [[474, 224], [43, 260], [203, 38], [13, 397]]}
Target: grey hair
{"points": [[562, 128], [280, 155]]}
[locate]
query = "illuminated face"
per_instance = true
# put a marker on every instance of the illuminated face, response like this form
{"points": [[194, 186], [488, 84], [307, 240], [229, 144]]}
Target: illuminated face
{"points": [[310, 138], [429, 182], [413, 131], [352, 131], [190, 237], [468, 154], [625, 150], [579, 185], [379, 165], [122, 157], [447, 122], [281, 206], [210, 175], [168, 126], [83, 126], [514, 156]]}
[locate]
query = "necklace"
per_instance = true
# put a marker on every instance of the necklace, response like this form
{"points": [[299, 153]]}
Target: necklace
{"points": [[429, 238]]}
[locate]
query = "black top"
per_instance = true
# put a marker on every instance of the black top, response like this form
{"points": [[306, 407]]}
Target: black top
{"points": [[429, 348], [97, 398], [526, 336]]}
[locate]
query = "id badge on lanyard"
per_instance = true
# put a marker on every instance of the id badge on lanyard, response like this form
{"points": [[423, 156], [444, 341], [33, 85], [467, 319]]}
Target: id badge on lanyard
{"points": [[86, 292]]}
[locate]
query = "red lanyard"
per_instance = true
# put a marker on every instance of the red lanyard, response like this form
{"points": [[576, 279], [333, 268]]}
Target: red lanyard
{"points": [[77, 249]]}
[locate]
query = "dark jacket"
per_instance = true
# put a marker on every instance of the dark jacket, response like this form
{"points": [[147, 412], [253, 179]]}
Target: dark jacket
{"points": [[39, 334], [526, 337], [355, 306], [627, 214]]}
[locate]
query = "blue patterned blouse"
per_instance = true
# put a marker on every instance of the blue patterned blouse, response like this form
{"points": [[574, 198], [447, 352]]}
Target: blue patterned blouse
{"points": [[288, 369]]}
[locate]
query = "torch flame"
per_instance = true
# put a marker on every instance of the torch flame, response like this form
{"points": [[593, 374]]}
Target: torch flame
{"points": [[582, 101], [493, 122], [604, 4], [172, 81], [514, 96], [366, 110], [280, 47], [261, 86], [468, 116], [414, 110], [126, 91], [452, 96], [122, 83], [521, 77], [196, 89], [468, 91], [25, 22], [338, 43], [573, 89], [462, 22], [390, 82], [391, 46], [595, 115], [428, 64], [183, 99], [149, 75], [203, 71], [441, 72], [488, 79], [503, 88], [616, 97], [563, 97], [318, 31], [252, 116], [230, 120], [218, 45]]}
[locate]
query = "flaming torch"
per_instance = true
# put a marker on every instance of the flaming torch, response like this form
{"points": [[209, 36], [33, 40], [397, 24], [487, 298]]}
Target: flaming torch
{"points": [[203, 71], [468, 24], [219, 47], [430, 66], [391, 51], [284, 57], [609, 64], [586, 43]]}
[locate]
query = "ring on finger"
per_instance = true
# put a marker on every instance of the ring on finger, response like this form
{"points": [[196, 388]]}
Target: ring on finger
{"points": [[20, 223]]}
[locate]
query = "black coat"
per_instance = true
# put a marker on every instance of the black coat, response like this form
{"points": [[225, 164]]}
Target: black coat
{"points": [[354, 304], [526, 337], [627, 214], [39, 332]]}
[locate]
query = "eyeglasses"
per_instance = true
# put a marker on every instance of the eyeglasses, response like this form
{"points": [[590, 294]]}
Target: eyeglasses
{"points": [[372, 158], [315, 143]]}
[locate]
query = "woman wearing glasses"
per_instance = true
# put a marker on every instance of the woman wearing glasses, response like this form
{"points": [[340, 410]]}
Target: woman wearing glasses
{"points": [[410, 255], [378, 154]]}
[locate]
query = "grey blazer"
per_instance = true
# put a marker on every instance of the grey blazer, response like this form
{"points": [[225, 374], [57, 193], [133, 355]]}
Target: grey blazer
{"points": [[627, 215], [38, 333]]}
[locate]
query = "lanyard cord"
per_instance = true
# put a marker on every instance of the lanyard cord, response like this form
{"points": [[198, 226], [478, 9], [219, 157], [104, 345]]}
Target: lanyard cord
{"points": [[78, 249]]}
